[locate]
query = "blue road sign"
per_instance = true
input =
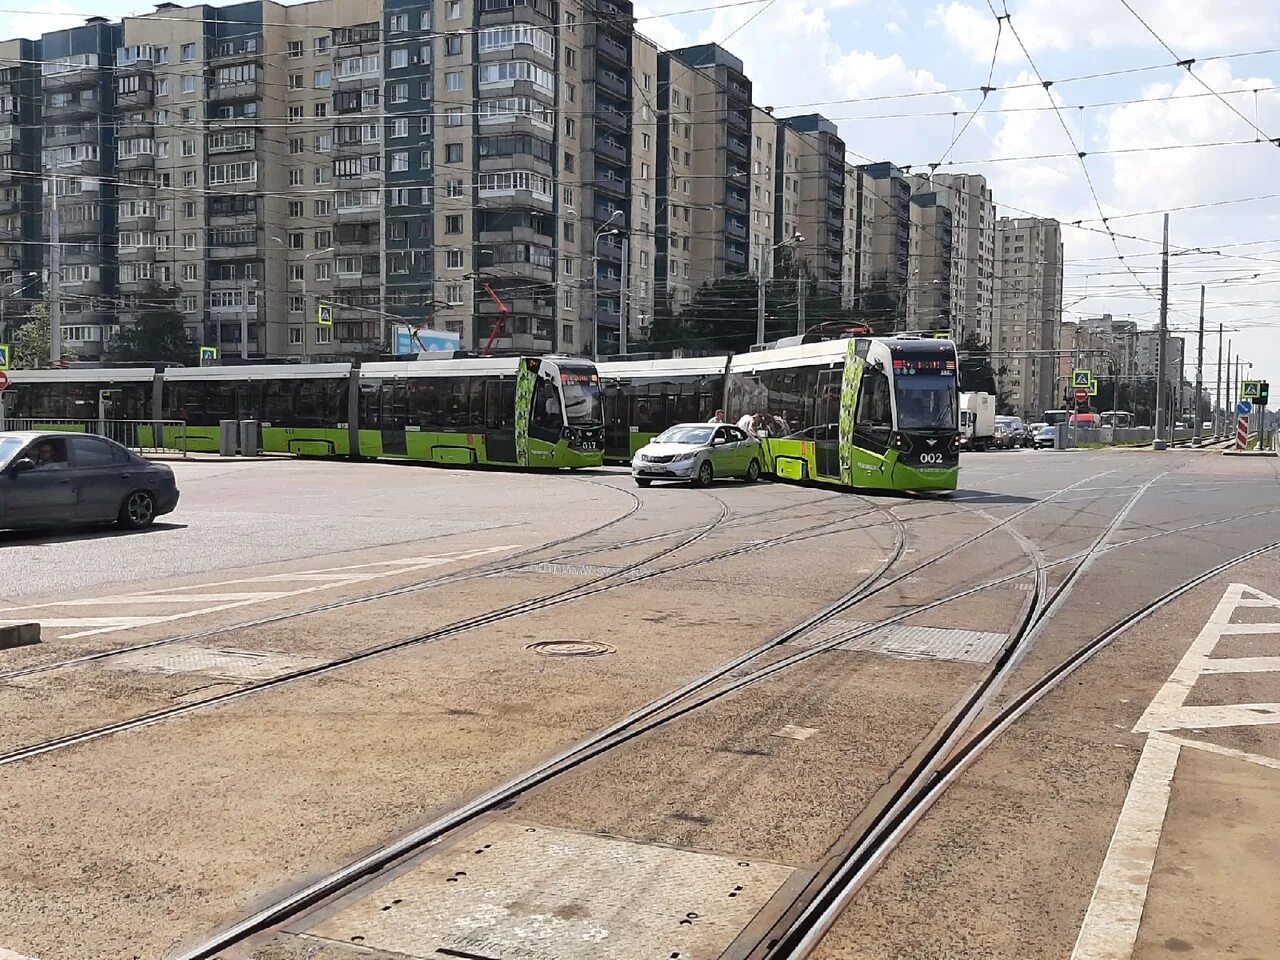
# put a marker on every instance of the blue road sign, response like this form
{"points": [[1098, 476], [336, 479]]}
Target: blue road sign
{"points": [[1244, 408]]}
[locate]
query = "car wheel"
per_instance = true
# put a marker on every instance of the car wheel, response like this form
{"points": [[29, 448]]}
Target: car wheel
{"points": [[643, 482], [138, 510], [706, 473], [753, 472]]}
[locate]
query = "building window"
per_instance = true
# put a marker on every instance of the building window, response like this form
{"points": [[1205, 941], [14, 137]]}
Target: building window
{"points": [[295, 336], [322, 80], [322, 45], [188, 241], [295, 177], [570, 57], [453, 293], [453, 9], [322, 208], [296, 303], [400, 161], [188, 52], [453, 117], [295, 208], [398, 93], [297, 241], [453, 153], [296, 145], [453, 80], [453, 223], [189, 210], [399, 22], [295, 81], [399, 128], [188, 84], [398, 59], [453, 188], [296, 272], [295, 114], [295, 49], [568, 230], [162, 90], [453, 45], [453, 259], [190, 271], [324, 335], [570, 127]]}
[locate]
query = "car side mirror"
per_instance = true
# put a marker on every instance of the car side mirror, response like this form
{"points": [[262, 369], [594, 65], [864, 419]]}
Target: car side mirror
{"points": [[22, 465]]}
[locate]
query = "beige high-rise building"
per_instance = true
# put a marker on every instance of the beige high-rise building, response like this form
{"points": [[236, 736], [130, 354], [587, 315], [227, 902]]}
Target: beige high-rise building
{"points": [[1028, 311]]}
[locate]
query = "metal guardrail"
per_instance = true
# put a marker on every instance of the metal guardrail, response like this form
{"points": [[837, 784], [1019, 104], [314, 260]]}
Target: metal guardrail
{"points": [[144, 436]]}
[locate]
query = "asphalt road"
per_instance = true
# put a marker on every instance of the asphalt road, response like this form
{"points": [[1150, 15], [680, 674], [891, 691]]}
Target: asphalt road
{"points": [[332, 655]]}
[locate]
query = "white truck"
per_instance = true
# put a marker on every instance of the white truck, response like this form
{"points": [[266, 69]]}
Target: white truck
{"points": [[977, 420]]}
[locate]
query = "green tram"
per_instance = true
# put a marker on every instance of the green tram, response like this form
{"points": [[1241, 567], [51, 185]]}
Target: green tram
{"points": [[538, 412], [873, 413]]}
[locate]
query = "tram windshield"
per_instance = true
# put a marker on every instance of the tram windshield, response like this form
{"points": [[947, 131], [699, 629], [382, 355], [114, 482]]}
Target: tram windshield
{"points": [[581, 399], [926, 401]]}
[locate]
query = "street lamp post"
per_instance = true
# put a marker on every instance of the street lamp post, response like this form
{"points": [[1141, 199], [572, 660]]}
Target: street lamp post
{"points": [[605, 229], [765, 273]]}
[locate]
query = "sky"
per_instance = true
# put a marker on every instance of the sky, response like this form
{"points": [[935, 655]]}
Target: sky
{"points": [[903, 82]]}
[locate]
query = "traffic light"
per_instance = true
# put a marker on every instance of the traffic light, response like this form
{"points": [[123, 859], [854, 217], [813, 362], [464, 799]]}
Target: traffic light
{"points": [[1263, 389]]}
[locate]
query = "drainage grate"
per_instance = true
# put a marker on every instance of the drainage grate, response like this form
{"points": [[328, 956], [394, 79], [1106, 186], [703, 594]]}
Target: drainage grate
{"points": [[510, 891], [235, 665], [570, 648], [914, 643], [569, 569]]}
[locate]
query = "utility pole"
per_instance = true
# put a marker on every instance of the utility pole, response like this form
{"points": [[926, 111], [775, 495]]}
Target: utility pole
{"points": [[1159, 442], [55, 282], [761, 279], [1195, 400], [1229, 405], [1217, 403], [800, 293], [244, 318]]}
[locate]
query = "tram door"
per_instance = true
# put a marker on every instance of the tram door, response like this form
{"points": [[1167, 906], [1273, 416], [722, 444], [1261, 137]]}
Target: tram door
{"points": [[616, 400], [394, 417], [826, 430], [500, 420]]}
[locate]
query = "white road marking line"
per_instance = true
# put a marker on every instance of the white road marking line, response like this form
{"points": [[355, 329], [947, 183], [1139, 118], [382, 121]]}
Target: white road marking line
{"points": [[1110, 928], [1220, 750], [99, 625], [144, 598], [1161, 712], [10, 955], [1242, 665]]}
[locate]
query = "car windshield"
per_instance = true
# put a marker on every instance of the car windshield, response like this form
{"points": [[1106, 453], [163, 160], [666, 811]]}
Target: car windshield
{"points": [[926, 401], [691, 435], [9, 446], [581, 399]]}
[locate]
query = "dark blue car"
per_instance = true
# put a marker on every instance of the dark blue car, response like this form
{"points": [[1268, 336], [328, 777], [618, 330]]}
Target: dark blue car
{"points": [[64, 479]]}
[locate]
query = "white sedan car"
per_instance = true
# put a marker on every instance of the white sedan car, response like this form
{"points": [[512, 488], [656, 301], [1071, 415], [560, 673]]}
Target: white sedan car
{"points": [[700, 453]]}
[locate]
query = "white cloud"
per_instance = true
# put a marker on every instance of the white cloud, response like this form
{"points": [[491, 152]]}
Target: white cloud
{"points": [[1191, 27]]}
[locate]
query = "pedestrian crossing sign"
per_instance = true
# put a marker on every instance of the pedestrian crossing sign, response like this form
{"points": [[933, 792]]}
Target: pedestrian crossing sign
{"points": [[208, 356], [324, 315], [1081, 378], [4, 356], [1251, 389], [1092, 387]]}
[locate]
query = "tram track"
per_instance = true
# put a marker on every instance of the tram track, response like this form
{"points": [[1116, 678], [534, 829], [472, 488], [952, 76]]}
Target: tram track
{"points": [[658, 713], [626, 575]]}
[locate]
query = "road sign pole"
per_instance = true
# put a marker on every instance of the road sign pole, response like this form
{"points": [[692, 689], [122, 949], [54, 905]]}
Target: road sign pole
{"points": [[1159, 442]]}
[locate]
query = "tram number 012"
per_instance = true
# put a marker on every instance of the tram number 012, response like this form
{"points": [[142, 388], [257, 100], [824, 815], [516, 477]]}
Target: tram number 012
{"points": [[931, 458]]}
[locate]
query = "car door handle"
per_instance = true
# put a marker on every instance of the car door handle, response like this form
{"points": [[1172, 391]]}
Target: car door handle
{"points": [[126, 476]]}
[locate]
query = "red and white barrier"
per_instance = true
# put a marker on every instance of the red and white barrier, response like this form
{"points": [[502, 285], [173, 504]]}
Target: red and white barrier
{"points": [[1242, 433]]}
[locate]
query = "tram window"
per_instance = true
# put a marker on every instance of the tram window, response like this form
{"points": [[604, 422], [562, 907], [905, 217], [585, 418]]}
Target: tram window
{"points": [[546, 410], [456, 397], [314, 405], [278, 402], [875, 411], [686, 403], [370, 404], [500, 403], [423, 401]]}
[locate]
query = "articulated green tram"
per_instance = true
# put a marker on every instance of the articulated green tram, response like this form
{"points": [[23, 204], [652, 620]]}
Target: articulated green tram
{"points": [[539, 412], [874, 413]]}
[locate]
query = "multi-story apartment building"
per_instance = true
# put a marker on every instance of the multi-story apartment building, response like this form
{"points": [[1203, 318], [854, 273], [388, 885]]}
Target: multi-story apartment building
{"points": [[1028, 310], [21, 193], [813, 174], [973, 248], [882, 258], [929, 279]]}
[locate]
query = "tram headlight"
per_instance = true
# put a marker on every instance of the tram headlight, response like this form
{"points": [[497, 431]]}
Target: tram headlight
{"points": [[954, 445], [899, 441]]}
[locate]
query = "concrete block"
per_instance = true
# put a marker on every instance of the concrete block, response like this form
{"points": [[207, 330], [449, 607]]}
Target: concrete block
{"points": [[19, 635]]}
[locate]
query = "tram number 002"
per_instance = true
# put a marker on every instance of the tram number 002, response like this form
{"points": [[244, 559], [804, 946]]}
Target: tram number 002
{"points": [[931, 458]]}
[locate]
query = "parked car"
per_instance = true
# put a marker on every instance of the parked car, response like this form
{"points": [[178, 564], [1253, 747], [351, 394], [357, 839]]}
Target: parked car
{"points": [[60, 479], [1009, 432], [700, 453], [1046, 435]]}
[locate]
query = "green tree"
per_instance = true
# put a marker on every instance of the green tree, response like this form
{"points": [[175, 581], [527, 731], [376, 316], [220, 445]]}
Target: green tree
{"points": [[31, 339], [158, 336]]}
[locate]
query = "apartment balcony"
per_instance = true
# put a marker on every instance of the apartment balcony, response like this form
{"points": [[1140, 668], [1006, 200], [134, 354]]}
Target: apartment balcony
{"points": [[76, 110], [80, 133], [244, 252], [136, 99], [357, 247], [609, 47], [10, 236], [11, 175], [739, 120], [517, 305], [739, 147], [737, 229], [353, 281], [735, 255], [735, 202], [83, 288], [608, 283], [145, 286], [611, 186], [143, 224], [69, 230], [610, 116], [137, 190], [234, 92], [231, 142], [234, 57], [234, 218], [81, 168], [234, 284], [613, 82], [234, 313], [139, 161], [128, 130], [72, 79], [610, 250], [358, 215], [611, 149], [516, 235], [135, 254]]}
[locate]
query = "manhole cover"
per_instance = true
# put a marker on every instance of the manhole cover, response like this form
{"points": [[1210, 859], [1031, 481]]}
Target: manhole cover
{"points": [[570, 648]]}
